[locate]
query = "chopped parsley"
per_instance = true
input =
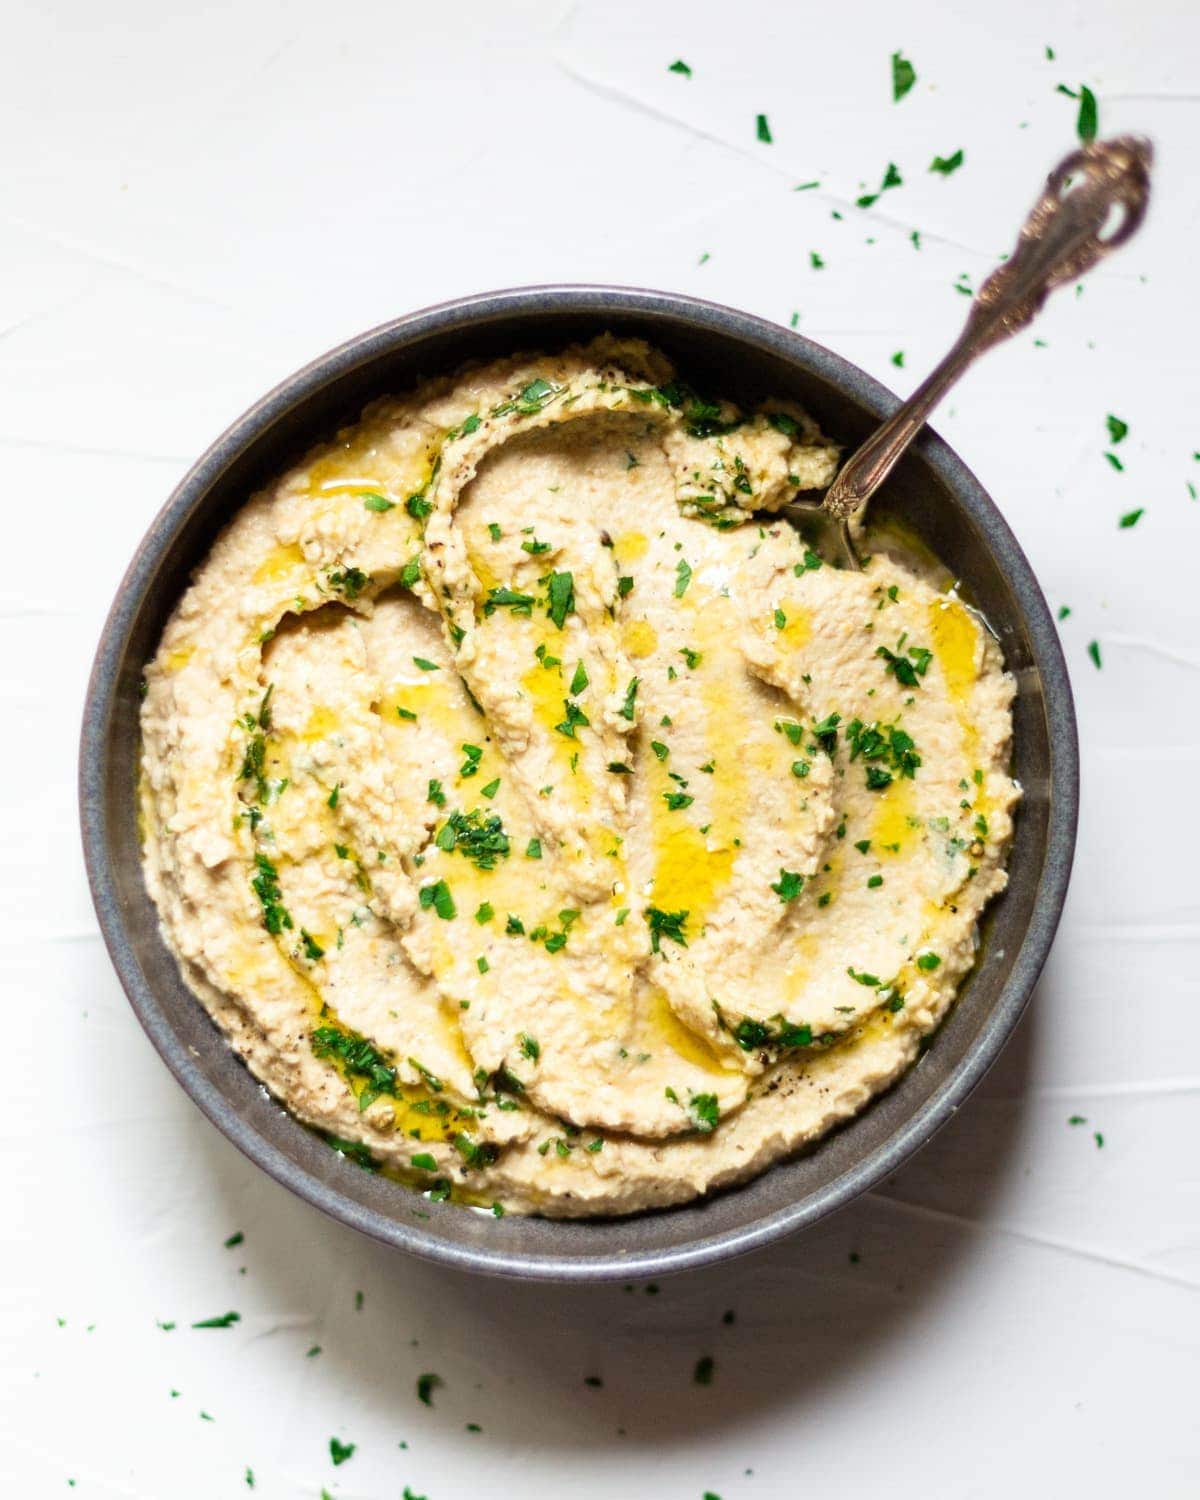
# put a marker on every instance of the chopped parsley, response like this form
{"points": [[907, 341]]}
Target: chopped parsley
{"points": [[891, 179], [909, 667], [666, 924], [627, 708], [475, 1153], [788, 886], [265, 885], [378, 503], [1093, 651], [876, 743], [560, 597], [947, 164], [1131, 518], [683, 576], [904, 75], [480, 839], [226, 1320], [349, 582], [418, 506], [1116, 428], [506, 598], [1088, 119], [439, 898], [750, 1035], [762, 129], [705, 1112], [826, 734], [575, 719], [361, 1059], [680, 67], [426, 1385], [339, 1452], [530, 1048], [530, 400], [359, 1154], [465, 428]]}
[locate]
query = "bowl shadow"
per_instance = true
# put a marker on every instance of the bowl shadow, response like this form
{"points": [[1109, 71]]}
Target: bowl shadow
{"points": [[522, 1358]]}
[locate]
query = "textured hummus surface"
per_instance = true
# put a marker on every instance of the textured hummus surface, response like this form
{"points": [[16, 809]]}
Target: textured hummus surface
{"points": [[546, 824]]}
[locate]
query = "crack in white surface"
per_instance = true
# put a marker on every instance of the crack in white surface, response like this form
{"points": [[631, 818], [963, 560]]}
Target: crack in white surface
{"points": [[88, 252], [1135, 1089], [1153, 648], [1142, 932], [1039, 1241], [873, 218], [75, 450]]}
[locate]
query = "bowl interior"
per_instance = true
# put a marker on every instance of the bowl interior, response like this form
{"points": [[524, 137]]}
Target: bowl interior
{"points": [[717, 350]]}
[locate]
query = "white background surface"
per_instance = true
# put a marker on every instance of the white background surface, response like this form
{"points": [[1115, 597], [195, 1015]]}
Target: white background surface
{"points": [[198, 198]]}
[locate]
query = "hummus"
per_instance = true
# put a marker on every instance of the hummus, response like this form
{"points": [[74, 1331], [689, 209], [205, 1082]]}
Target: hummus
{"points": [[544, 823]]}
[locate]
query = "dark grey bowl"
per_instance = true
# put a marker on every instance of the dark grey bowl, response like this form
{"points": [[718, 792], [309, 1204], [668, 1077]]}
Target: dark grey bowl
{"points": [[729, 352]]}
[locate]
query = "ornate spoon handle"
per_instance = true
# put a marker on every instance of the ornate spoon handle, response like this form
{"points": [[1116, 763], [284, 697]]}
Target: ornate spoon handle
{"points": [[1062, 238]]}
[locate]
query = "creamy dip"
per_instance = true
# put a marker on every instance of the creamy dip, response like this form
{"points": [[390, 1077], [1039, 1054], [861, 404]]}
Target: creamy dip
{"points": [[544, 822]]}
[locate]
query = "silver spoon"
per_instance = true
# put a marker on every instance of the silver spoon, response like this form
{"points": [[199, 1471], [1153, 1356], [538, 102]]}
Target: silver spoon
{"points": [[1062, 238]]}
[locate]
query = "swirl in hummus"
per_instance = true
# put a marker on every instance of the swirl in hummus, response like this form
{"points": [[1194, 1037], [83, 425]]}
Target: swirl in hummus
{"points": [[546, 826]]}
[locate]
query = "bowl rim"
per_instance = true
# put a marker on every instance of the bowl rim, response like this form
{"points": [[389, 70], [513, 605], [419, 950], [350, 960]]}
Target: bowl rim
{"points": [[600, 301]]}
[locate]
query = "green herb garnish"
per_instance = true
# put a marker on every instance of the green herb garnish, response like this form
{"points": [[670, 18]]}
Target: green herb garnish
{"points": [[339, 1452], [226, 1320], [560, 597], [480, 839], [666, 924], [904, 75], [265, 885], [788, 886], [439, 898]]}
